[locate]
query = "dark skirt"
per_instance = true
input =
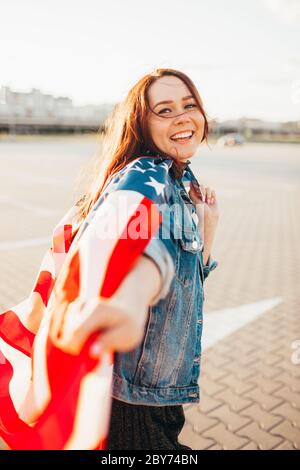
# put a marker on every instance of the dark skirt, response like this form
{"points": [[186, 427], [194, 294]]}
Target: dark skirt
{"points": [[136, 427]]}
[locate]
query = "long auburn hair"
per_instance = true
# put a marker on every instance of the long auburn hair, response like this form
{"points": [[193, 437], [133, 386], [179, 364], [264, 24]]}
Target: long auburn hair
{"points": [[126, 135]]}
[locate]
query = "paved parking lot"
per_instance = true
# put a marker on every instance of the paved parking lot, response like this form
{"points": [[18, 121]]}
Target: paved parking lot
{"points": [[250, 379]]}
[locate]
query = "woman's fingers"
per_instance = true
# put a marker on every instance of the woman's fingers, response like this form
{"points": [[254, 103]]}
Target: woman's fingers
{"points": [[79, 324], [123, 338], [209, 195], [213, 196], [202, 192], [195, 193]]}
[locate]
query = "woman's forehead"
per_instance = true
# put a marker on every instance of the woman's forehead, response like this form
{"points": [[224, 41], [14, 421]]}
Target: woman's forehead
{"points": [[167, 88]]}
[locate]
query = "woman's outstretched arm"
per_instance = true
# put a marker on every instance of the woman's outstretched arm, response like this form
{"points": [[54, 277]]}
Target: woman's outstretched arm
{"points": [[121, 265], [120, 319]]}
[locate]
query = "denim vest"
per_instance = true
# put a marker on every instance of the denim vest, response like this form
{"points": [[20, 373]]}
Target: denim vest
{"points": [[164, 369]]}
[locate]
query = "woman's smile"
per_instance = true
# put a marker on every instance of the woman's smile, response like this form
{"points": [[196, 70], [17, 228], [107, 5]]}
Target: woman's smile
{"points": [[183, 137]]}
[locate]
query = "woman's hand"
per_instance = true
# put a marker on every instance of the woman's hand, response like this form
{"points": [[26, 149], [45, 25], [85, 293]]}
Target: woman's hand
{"points": [[206, 198], [119, 320], [205, 201], [119, 328]]}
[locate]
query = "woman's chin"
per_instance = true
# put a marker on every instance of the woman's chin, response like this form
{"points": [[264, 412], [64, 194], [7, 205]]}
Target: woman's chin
{"points": [[181, 155]]}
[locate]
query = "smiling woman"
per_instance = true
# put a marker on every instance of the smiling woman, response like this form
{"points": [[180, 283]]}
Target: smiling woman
{"points": [[119, 296], [181, 134], [143, 124]]}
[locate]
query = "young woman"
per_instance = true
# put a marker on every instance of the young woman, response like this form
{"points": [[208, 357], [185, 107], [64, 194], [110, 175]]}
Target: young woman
{"points": [[155, 328], [119, 295]]}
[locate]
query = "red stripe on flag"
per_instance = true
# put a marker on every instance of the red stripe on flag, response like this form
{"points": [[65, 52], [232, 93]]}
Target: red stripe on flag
{"points": [[67, 237], [72, 278], [9, 421], [14, 333], [44, 286], [62, 238], [127, 249], [102, 444], [55, 426]]}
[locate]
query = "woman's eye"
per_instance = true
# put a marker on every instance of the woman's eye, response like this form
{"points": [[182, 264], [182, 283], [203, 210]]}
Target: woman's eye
{"points": [[162, 110], [191, 104], [166, 109]]}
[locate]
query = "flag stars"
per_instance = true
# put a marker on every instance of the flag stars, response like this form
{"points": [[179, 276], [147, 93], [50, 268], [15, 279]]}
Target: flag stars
{"points": [[141, 170], [159, 187], [165, 166], [137, 169]]}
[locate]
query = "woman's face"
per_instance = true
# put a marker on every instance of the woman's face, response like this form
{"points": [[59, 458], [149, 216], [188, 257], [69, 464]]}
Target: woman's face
{"points": [[168, 122]]}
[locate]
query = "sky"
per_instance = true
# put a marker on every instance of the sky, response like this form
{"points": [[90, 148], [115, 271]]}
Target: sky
{"points": [[243, 55]]}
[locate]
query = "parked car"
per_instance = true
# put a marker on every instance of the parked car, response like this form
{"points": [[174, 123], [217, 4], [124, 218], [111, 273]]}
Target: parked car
{"points": [[230, 140]]}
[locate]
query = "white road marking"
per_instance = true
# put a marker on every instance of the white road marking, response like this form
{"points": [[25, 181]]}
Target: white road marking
{"points": [[5, 246], [217, 325]]}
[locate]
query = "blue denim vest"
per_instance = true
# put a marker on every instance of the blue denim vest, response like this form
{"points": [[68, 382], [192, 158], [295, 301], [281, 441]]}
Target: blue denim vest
{"points": [[164, 369]]}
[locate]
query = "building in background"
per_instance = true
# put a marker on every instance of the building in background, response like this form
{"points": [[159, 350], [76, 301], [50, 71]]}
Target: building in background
{"points": [[256, 130], [35, 111]]}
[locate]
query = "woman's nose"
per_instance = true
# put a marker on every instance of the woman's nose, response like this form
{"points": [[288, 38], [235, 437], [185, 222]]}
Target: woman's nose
{"points": [[183, 117]]}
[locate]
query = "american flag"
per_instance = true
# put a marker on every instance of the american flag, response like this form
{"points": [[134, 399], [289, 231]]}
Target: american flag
{"points": [[50, 399]]}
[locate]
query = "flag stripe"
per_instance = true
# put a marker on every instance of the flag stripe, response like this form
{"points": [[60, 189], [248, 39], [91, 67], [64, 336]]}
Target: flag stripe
{"points": [[44, 285], [127, 249], [10, 422], [67, 237], [14, 333]]}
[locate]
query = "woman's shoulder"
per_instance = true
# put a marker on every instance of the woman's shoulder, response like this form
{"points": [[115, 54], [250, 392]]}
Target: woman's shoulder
{"points": [[147, 175]]}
